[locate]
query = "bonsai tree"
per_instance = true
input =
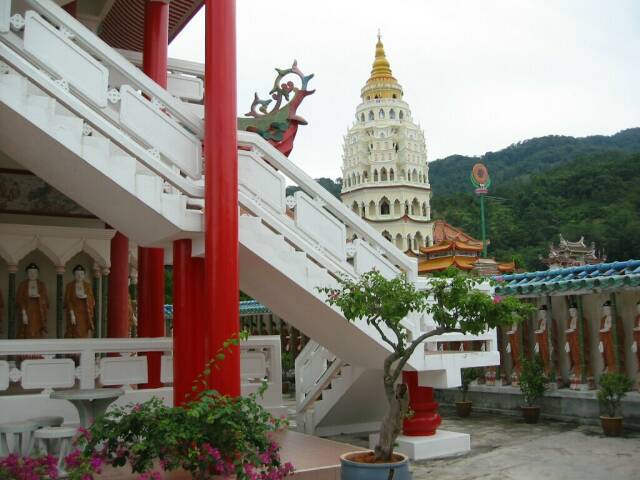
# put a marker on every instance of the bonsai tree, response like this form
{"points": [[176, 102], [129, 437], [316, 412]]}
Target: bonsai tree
{"points": [[468, 376], [533, 381], [455, 304], [613, 388]]}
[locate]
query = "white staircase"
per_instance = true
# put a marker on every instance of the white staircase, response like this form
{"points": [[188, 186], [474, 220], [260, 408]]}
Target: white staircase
{"points": [[78, 115]]}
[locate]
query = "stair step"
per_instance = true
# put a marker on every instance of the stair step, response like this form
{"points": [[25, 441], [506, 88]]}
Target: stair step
{"points": [[40, 110], [122, 169], [174, 206], [149, 190], [68, 131], [14, 90], [95, 150]]}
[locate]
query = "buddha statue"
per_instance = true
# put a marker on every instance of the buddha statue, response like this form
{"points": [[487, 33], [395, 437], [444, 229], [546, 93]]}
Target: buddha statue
{"points": [[33, 304], [605, 346], [542, 338], [572, 347], [513, 348], [636, 332], [79, 304]]}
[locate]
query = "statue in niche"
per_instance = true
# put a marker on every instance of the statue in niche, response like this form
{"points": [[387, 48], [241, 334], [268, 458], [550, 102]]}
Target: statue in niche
{"points": [[33, 304], [513, 348], [635, 347], [79, 304], [605, 347], [572, 347], [542, 338], [1, 310]]}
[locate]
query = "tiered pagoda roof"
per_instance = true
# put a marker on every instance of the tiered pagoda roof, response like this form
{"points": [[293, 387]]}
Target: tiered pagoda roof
{"points": [[572, 254], [572, 281]]}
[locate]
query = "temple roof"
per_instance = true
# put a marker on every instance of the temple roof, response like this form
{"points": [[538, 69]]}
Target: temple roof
{"points": [[445, 231], [247, 307], [381, 82], [442, 263], [571, 281], [381, 69], [451, 245]]}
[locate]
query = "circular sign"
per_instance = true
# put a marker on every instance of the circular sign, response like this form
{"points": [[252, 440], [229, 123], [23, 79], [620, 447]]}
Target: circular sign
{"points": [[480, 174]]}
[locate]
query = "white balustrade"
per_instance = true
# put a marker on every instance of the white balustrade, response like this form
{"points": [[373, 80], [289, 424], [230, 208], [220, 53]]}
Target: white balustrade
{"points": [[117, 362], [315, 368]]}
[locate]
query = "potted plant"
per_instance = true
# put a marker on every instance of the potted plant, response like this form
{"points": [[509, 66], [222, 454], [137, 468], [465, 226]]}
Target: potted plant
{"points": [[463, 407], [533, 384], [613, 388], [455, 305], [211, 436]]}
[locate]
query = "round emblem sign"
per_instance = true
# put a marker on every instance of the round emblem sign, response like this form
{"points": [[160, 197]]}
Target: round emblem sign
{"points": [[480, 174]]}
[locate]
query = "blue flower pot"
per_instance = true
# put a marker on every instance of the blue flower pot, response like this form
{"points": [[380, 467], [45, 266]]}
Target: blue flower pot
{"points": [[373, 471]]}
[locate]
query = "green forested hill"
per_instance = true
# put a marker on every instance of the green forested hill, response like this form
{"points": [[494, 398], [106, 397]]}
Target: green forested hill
{"points": [[595, 194], [529, 157]]}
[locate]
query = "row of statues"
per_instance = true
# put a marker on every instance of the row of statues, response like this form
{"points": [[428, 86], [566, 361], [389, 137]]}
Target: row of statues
{"points": [[32, 302], [606, 344]]}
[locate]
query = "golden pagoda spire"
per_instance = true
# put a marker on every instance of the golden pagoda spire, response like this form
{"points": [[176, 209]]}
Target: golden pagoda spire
{"points": [[381, 69]]}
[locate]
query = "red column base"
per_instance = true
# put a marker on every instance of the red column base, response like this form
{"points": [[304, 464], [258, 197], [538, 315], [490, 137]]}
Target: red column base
{"points": [[425, 420]]}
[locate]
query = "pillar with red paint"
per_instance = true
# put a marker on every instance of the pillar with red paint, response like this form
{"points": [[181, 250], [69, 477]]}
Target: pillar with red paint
{"points": [[118, 304], [221, 191], [151, 260], [425, 420]]}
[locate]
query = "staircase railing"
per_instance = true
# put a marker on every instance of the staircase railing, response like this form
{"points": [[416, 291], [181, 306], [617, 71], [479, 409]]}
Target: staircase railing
{"points": [[115, 98], [316, 367]]}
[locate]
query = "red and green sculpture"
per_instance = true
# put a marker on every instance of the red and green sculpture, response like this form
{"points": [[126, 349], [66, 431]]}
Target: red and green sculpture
{"points": [[278, 123]]}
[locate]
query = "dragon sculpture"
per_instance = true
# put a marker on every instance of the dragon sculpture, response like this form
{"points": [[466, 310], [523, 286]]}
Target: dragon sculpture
{"points": [[278, 123]]}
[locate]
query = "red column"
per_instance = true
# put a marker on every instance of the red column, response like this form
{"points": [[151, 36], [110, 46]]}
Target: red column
{"points": [[118, 326], [151, 260], [221, 190], [184, 335], [426, 419]]}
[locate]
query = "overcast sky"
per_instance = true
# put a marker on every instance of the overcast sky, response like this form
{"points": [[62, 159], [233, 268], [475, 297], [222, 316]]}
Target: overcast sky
{"points": [[478, 75]]}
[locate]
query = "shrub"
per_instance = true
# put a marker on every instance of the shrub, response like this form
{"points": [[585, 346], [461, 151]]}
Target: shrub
{"points": [[533, 381], [613, 388], [468, 376]]}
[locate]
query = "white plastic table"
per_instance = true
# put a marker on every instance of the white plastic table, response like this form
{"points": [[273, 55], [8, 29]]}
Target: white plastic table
{"points": [[89, 403]]}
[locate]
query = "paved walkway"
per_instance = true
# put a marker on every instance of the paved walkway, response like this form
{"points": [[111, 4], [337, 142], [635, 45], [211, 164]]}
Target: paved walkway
{"points": [[505, 448]]}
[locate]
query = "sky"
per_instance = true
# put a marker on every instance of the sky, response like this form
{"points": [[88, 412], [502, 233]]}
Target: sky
{"points": [[478, 75]]}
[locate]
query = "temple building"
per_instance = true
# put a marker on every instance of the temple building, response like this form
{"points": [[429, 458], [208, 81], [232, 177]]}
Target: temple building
{"points": [[385, 172], [572, 254]]}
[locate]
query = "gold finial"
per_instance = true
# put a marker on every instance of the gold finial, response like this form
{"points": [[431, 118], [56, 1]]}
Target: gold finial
{"points": [[381, 68]]}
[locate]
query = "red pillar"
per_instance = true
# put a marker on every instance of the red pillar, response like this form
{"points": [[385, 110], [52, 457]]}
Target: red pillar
{"points": [[151, 260], [426, 419], [118, 326], [184, 335], [221, 190]]}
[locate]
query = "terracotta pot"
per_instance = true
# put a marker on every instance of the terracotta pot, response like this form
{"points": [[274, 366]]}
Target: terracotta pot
{"points": [[463, 408], [531, 414], [611, 426], [354, 467]]}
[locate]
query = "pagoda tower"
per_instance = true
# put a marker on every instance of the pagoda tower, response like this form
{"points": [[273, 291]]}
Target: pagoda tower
{"points": [[385, 172]]}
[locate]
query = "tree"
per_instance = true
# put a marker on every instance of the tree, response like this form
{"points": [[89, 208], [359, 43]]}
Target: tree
{"points": [[456, 305]]}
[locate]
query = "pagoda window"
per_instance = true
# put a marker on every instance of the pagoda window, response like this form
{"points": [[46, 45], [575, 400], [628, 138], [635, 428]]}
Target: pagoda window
{"points": [[394, 96], [408, 176], [399, 241], [353, 179], [372, 208], [365, 176], [415, 175], [371, 116], [383, 174], [403, 174], [427, 241], [358, 178], [387, 235], [375, 175], [362, 117], [415, 207], [391, 174], [392, 114], [397, 208], [409, 242], [384, 206], [401, 114], [381, 114], [417, 241], [355, 208], [424, 209]]}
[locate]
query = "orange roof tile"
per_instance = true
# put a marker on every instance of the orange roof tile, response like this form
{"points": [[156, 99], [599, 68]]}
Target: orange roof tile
{"points": [[443, 231], [437, 264], [452, 245], [507, 267]]}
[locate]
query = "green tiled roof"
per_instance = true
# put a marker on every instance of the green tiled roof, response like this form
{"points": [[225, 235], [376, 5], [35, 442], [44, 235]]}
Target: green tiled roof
{"points": [[573, 280], [247, 307]]}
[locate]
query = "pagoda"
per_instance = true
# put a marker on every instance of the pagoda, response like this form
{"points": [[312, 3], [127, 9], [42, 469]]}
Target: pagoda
{"points": [[572, 254], [385, 172]]}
